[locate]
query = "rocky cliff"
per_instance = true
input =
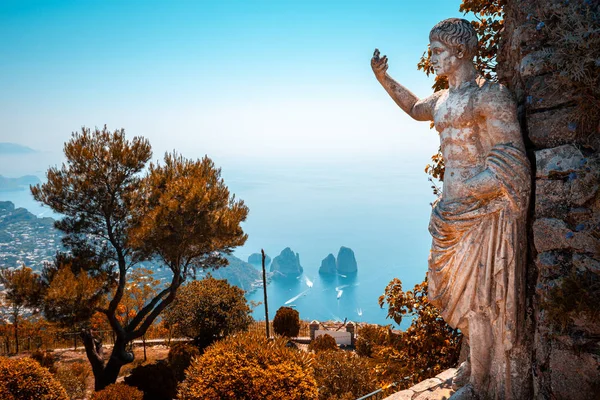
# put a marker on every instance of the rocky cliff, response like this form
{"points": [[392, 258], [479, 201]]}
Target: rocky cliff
{"points": [[328, 265], [549, 58], [346, 262], [286, 264], [256, 259]]}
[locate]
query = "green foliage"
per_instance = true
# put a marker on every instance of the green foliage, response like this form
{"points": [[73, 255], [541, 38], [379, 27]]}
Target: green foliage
{"points": [[249, 366], [286, 322], [573, 35], [118, 391], [208, 310], [369, 337], [26, 379], [577, 296], [186, 216], [180, 357], [45, 359], [429, 345], [323, 343], [71, 298], [157, 381], [73, 377], [341, 375], [23, 289]]}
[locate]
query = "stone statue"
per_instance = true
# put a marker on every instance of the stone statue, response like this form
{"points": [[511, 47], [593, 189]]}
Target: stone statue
{"points": [[477, 260]]}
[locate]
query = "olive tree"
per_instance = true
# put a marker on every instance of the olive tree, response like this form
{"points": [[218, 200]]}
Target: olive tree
{"points": [[118, 210]]}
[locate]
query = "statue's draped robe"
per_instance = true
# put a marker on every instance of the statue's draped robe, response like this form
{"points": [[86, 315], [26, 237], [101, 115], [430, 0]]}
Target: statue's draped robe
{"points": [[477, 259]]}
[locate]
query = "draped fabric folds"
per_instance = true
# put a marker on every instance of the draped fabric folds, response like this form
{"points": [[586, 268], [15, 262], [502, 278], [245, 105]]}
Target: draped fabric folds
{"points": [[477, 259]]}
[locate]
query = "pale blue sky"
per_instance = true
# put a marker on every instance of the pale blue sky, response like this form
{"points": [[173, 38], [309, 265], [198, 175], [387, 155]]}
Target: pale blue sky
{"points": [[279, 93], [289, 80]]}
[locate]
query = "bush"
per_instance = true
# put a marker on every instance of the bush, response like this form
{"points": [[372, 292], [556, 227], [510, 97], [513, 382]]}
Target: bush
{"points": [[429, 345], [157, 381], [180, 358], [26, 379], [209, 310], [250, 366], [45, 358], [286, 322], [73, 377], [323, 343], [369, 337], [343, 375], [118, 391]]}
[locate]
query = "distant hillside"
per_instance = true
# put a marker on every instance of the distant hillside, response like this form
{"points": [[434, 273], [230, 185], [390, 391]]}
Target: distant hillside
{"points": [[7, 148], [13, 184], [239, 273], [25, 238]]}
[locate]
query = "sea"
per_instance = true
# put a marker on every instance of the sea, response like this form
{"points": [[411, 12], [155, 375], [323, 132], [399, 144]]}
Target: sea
{"points": [[377, 207]]}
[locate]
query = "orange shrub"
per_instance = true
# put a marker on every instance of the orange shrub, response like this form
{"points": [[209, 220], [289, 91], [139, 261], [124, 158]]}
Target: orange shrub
{"points": [[249, 366], [26, 379], [45, 358], [118, 391], [344, 375], [369, 337], [286, 322], [180, 358], [156, 380], [323, 343], [73, 377]]}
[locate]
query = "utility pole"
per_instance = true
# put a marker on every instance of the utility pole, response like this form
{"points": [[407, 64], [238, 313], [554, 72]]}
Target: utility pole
{"points": [[265, 291]]}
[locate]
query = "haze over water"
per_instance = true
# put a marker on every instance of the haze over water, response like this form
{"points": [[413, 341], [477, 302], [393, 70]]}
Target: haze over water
{"points": [[378, 208]]}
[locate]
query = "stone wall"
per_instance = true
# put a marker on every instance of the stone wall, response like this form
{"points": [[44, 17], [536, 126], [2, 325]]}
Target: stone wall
{"points": [[564, 226]]}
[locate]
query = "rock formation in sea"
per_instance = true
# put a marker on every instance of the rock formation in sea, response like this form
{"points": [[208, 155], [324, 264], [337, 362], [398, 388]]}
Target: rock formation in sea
{"points": [[256, 259], [346, 262], [328, 265], [286, 264]]}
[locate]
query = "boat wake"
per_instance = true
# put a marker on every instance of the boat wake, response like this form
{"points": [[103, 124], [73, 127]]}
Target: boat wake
{"points": [[308, 282], [297, 297]]}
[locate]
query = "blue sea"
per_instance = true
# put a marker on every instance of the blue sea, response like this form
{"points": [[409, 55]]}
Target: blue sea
{"points": [[379, 208]]}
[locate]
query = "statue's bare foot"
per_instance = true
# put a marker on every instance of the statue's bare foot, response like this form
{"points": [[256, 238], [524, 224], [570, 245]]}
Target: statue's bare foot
{"points": [[464, 393], [462, 375]]}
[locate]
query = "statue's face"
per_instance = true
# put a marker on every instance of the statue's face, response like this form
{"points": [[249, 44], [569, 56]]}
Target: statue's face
{"points": [[443, 58]]}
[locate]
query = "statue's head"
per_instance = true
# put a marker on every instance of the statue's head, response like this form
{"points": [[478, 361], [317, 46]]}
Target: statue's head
{"points": [[452, 41]]}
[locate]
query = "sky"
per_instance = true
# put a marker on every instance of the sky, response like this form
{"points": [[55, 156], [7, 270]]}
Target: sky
{"points": [[282, 82], [280, 94]]}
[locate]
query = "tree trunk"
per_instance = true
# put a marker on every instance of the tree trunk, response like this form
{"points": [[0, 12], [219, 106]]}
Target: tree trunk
{"points": [[105, 374], [16, 325]]}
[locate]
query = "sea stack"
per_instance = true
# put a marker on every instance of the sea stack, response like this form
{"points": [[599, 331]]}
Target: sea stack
{"points": [[286, 264], [328, 265], [256, 259], [346, 263]]}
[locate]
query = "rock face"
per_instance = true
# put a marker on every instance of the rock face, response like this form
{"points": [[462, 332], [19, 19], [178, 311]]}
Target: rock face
{"points": [[564, 227], [286, 264], [256, 259], [328, 265], [346, 263]]}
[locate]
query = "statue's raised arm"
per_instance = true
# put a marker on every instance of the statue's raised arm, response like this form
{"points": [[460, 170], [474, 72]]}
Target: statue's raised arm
{"points": [[421, 110]]}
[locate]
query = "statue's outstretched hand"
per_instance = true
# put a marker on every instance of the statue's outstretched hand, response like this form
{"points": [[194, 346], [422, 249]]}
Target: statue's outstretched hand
{"points": [[379, 65]]}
